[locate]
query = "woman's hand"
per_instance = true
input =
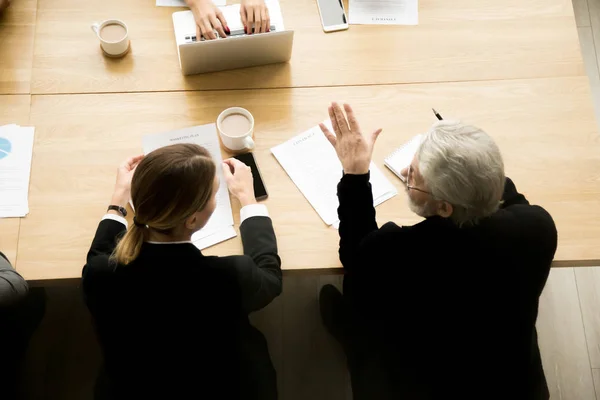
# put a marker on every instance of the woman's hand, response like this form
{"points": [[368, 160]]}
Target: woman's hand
{"points": [[255, 13], [239, 180], [122, 192], [208, 19]]}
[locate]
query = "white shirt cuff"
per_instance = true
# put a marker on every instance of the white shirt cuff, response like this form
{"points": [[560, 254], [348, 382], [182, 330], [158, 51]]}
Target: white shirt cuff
{"points": [[253, 210], [117, 218]]}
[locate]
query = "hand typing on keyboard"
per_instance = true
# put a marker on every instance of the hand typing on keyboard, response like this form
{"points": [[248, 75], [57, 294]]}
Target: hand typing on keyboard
{"points": [[209, 19], [255, 14]]}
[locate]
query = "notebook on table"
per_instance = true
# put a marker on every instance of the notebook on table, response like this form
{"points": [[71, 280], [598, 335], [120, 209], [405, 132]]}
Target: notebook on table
{"points": [[403, 156]]}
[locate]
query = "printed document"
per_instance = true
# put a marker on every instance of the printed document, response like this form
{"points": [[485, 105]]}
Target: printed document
{"points": [[220, 225], [312, 164], [384, 12], [16, 150]]}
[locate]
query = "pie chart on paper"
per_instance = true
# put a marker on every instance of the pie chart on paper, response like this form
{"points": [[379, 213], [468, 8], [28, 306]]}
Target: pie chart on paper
{"points": [[5, 147]]}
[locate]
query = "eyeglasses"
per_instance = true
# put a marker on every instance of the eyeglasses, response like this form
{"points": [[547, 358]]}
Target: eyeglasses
{"points": [[409, 187]]}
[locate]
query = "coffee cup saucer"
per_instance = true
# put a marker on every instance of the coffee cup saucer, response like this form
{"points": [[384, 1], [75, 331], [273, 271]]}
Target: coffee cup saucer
{"points": [[117, 55]]}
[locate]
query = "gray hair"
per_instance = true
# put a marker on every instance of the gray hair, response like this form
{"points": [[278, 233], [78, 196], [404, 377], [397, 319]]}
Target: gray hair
{"points": [[461, 164]]}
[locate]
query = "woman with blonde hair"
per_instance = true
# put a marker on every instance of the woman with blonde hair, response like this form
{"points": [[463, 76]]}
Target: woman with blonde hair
{"points": [[171, 322]]}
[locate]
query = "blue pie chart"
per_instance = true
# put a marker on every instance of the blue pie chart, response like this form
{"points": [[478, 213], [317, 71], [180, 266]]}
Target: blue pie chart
{"points": [[5, 147]]}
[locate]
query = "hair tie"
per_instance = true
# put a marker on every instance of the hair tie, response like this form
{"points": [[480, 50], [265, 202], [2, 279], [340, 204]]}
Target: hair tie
{"points": [[137, 223]]}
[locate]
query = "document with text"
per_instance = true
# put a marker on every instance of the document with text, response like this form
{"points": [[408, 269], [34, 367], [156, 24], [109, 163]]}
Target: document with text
{"points": [[384, 12], [220, 225], [16, 151], [312, 164]]}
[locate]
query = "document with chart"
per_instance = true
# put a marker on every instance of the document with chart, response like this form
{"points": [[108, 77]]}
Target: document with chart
{"points": [[16, 150], [220, 225], [384, 12], [312, 164]]}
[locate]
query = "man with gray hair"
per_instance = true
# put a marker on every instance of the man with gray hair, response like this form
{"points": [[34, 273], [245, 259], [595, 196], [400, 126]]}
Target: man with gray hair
{"points": [[445, 308]]}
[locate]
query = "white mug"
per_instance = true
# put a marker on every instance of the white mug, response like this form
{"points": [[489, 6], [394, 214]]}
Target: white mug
{"points": [[236, 143], [112, 49]]}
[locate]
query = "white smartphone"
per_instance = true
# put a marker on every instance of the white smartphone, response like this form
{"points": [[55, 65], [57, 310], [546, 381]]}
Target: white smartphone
{"points": [[333, 15]]}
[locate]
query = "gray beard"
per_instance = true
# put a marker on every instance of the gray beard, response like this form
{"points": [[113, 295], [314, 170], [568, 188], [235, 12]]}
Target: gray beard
{"points": [[422, 210]]}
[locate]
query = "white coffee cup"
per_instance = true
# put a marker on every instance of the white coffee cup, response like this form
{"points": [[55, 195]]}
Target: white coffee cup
{"points": [[236, 141], [114, 47]]}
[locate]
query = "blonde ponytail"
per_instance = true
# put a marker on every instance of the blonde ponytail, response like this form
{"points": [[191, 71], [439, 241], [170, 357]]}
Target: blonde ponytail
{"points": [[162, 194], [128, 248]]}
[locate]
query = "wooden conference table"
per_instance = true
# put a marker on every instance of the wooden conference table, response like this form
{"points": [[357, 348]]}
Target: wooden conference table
{"points": [[512, 68], [458, 40]]}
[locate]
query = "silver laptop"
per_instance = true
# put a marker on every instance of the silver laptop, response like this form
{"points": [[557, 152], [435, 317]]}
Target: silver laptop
{"points": [[240, 51]]}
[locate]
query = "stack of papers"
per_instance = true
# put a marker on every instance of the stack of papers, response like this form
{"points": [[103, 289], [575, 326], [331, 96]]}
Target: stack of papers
{"points": [[312, 164], [220, 225], [384, 12], [16, 150]]}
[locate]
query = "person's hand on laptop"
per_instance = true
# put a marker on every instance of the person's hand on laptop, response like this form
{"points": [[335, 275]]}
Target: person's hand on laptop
{"points": [[208, 19], [255, 13]]}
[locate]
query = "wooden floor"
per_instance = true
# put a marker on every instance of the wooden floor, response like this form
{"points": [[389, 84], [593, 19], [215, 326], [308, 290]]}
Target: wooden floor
{"points": [[63, 355], [569, 319]]}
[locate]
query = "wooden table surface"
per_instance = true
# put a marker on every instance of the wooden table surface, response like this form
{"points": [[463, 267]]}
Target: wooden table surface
{"points": [[544, 127], [457, 40], [17, 30]]}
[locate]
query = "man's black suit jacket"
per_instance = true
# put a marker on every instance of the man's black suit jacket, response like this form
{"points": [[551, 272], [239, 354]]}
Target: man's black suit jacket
{"points": [[439, 311]]}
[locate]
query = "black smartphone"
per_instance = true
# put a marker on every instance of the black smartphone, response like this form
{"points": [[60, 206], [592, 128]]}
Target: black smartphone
{"points": [[260, 191]]}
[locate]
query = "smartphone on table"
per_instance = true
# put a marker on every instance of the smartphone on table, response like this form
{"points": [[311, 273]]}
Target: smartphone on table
{"points": [[333, 15], [260, 191]]}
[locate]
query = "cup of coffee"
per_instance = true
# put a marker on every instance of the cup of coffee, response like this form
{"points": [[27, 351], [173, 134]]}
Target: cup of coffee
{"points": [[236, 126], [114, 37]]}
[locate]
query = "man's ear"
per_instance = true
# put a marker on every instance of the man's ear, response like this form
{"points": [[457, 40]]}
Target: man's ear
{"points": [[190, 222], [444, 209]]}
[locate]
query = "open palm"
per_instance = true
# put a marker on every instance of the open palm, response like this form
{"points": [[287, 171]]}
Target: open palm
{"points": [[353, 148]]}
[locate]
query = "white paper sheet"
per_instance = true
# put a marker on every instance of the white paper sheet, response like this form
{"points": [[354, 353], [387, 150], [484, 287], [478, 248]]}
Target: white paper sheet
{"points": [[312, 164], [16, 150], [214, 238], [220, 224], [181, 3], [384, 12]]}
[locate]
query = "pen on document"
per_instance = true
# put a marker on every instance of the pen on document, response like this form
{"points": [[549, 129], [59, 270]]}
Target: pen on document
{"points": [[437, 115]]}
